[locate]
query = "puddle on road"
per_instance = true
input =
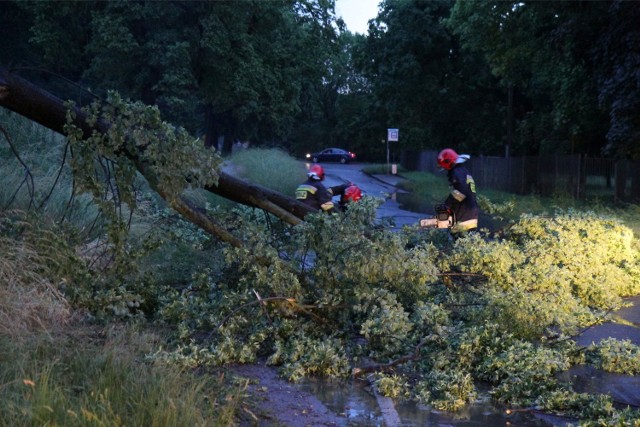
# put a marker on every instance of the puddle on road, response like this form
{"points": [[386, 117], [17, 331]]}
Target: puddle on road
{"points": [[623, 389], [350, 399], [355, 401]]}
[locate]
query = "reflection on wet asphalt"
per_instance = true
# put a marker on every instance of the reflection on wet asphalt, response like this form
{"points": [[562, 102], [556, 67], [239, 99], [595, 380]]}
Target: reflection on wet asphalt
{"points": [[354, 400], [624, 389]]}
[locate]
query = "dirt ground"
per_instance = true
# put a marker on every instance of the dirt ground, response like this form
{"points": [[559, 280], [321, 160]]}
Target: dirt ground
{"points": [[277, 402]]}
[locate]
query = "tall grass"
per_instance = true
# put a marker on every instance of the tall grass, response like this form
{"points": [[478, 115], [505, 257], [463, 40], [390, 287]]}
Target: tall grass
{"points": [[83, 378], [270, 168], [56, 369], [29, 302]]}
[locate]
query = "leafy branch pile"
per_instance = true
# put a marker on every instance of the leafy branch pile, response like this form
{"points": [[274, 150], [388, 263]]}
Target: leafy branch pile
{"points": [[338, 296]]}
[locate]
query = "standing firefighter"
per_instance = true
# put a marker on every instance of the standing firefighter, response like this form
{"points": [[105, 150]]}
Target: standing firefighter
{"points": [[314, 193], [462, 199]]}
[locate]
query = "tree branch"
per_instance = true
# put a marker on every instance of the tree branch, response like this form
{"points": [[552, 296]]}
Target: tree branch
{"points": [[26, 99], [375, 367]]}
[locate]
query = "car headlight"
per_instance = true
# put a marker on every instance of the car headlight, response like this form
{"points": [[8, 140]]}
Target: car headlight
{"points": [[308, 156]]}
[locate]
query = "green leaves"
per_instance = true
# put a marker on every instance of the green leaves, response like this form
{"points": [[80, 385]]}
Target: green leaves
{"points": [[522, 372], [501, 313], [173, 160], [585, 260], [612, 355]]}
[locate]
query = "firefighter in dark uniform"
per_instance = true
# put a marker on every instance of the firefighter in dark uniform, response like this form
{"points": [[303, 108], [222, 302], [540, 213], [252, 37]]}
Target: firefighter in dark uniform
{"points": [[315, 194], [462, 199]]}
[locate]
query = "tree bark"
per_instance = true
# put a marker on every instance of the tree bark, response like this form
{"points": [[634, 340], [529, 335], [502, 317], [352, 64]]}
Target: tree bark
{"points": [[34, 103]]}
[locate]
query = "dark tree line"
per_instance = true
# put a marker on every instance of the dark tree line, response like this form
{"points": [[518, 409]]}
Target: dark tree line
{"points": [[535, 77]]}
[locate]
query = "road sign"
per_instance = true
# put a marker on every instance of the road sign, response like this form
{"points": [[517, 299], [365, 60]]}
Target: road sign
{"points": [[392, 134]]}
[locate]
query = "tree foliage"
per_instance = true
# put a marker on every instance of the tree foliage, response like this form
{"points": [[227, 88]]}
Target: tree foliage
{"points": [[539, 77], [548, 52], [340, 294], [432, 320], [618, 79], [223, 69], [421, 80]]}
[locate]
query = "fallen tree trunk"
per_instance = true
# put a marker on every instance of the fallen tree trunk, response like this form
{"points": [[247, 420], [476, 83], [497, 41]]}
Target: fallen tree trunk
{"points": [[34, 103]]}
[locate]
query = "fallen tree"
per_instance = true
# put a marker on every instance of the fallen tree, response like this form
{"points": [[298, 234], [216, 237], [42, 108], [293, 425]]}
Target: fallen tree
{"points": [[34, 103]]}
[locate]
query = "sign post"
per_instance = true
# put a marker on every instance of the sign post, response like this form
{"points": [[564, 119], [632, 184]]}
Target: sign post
{"points": [[392, 136]]}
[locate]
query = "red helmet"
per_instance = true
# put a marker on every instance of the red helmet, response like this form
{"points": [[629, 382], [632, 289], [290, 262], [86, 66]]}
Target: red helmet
{"points": [[447, 158], [352, 193], [316, 172]]}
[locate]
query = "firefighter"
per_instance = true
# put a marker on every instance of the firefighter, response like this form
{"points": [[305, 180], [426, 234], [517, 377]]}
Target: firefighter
{"points": [[315, 194], [462, 199]]}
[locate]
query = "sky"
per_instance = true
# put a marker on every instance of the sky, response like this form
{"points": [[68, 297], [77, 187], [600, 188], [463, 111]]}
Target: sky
{"points": [[356, 13]]}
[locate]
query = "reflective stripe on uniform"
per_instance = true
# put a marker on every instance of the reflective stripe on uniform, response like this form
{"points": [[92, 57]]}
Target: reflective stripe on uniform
{"points": [[327, 206], [469, 224], [303, 190], [459, 196], [471, 183]]}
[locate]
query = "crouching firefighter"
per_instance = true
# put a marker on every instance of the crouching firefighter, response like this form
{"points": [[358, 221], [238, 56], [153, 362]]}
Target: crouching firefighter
{"points": [[462, 199], [315, 194]]}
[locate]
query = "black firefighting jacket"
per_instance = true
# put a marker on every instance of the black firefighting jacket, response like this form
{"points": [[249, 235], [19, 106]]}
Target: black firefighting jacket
{"points": [[462, 199], [315, 194]]}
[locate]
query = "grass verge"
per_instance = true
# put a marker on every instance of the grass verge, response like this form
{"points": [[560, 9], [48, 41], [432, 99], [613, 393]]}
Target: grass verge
{"points": [[57, 369], [272, 168]]}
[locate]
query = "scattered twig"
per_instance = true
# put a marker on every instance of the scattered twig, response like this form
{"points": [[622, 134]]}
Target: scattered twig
{"points": [[263, 305], [573, 337], [376, 367]]}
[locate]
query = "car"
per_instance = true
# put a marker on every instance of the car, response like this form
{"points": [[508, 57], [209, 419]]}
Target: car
{"points": [[332, 155]]}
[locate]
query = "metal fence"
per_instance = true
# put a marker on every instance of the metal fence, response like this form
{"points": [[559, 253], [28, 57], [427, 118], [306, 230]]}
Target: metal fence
{"points": [[576, 176]]}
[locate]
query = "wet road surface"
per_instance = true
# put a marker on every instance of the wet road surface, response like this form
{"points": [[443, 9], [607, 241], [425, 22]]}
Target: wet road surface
{"points": [[381, 186]]}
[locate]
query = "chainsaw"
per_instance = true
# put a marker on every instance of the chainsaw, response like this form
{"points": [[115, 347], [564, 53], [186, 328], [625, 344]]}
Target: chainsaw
{"points": [[444, 218]]}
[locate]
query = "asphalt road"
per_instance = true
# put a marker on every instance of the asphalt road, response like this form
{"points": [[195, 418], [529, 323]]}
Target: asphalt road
{"points": [[381, 186]]}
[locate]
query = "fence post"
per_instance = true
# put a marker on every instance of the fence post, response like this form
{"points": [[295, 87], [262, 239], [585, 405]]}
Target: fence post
{"points": [[555, 174], [621, 180], [635, 183], [579, 177]]}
